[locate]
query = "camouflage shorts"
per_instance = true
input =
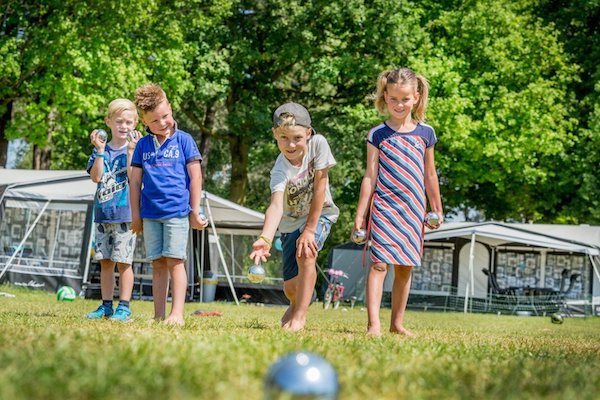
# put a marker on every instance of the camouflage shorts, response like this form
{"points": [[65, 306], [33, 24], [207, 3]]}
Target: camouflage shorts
{"points": [[114, 242]]}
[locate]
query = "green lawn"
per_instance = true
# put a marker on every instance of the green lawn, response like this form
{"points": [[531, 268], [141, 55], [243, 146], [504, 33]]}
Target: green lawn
{"points": [[49, 351]]}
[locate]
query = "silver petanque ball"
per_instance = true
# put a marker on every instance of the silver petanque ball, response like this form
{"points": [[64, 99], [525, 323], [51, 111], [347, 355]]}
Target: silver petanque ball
{"points": [[432, 219], [359, 236], [256, 273], [301, 375], [101, 135], [556, 318], [130, 136]]}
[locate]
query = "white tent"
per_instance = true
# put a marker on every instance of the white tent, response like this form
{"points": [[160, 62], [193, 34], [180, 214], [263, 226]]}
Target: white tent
{"points": [[583, 239], [70, 195]]}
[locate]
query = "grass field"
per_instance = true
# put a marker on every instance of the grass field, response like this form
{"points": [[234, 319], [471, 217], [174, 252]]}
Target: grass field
{"points": [[48, 351]]}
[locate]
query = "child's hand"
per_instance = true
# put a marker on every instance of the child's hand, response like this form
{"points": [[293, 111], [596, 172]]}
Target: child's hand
{"points": [[260, 251], [196, 222], [98, 144], [132, 139], [136, 226], [306, 245]]}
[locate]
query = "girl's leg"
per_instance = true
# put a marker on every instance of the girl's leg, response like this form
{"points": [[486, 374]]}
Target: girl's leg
{"points": [[125, 281], [400, 290], [178, 289], [160, 287], [289, 288], [306, 279], [374, 288], [107, 279]]}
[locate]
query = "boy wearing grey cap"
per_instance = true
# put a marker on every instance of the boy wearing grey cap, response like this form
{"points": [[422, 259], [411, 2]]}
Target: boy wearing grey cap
{"points": [[301, 207]]}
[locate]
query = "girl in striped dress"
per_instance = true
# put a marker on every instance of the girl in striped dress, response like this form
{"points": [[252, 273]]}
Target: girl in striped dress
{"points": [[400, 170]]}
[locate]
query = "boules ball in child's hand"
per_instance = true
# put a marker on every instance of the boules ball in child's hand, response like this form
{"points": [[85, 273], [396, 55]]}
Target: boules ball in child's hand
{"points": [[101, 135], [256, 273]]}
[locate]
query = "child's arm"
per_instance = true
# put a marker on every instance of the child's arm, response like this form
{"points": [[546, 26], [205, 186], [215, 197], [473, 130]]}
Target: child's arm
{"points": [[367, 187], [306, 241], [135, 188], [432, 185], [261, 247], [98, 167], [130, 149], [195, 173]]}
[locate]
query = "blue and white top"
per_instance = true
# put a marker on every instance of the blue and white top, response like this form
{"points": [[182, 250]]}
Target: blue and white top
{"points": [[111, 203], [165, 179]]}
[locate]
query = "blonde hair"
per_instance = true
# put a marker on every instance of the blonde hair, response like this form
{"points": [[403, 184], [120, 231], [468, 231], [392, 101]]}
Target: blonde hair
{"points": [[402, 76], [287, 119], [149, 96], [120, 105]]}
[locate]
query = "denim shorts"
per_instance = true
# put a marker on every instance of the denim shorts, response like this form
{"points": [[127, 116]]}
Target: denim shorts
{"points": [[166, 237], [288, 244], [115, 242]]}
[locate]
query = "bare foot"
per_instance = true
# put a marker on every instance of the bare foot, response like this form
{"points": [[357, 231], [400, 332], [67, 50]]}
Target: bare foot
{"points": [[402, 331], [287, 316], [171, 320], [373, 331], [294, 325]]}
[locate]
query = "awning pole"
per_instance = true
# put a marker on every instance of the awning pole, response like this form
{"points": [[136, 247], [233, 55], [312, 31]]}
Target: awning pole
{"points": [[595, 267], [471, 276], [14, 254], [212, 224]]}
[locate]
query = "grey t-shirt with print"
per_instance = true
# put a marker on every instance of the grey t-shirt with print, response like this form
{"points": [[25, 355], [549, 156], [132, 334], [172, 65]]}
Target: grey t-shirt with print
{"points": [[297, 185]]}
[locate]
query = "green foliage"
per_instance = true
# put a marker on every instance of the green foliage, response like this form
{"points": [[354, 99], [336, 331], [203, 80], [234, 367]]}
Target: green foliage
{"points": [[514, 93], [48, 350]]}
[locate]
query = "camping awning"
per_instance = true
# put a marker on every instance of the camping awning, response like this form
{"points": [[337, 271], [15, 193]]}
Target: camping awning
{"points": [[25, 186], [498, 234]]}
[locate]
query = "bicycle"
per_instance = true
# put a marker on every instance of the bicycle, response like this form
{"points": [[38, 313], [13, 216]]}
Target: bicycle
{"points": [[335, 289]]}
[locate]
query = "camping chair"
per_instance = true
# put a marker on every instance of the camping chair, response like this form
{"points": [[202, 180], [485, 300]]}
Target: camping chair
{"points": [[562, 297], [564, 276], [505, 296]]}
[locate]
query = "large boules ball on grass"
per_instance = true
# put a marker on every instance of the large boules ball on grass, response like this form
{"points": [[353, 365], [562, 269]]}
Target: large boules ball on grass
{"points": [[256, 273], [65, 293], [556, 318], [301, 375]]}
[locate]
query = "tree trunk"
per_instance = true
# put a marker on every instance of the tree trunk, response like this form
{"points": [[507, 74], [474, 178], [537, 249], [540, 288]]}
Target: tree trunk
{"points": [[43, 155], [4, 119], [206, 133], [239, 148]]}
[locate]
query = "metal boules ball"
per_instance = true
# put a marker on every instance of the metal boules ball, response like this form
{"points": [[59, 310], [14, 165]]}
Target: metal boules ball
{"points": [[101, 135], [359, 236], [432, 219], [301, 375], [556, 318], [256, 273]]}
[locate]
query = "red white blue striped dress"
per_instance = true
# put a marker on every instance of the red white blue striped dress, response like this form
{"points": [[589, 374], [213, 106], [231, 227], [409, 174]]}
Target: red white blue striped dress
{"points": [[398, 206]]}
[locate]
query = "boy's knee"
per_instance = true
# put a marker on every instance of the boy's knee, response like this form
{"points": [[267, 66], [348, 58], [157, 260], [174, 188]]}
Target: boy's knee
{"points": [[379, 267]]}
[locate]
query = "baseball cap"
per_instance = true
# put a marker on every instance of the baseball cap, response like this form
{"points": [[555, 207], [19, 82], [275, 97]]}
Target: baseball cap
{"points": [[300, 114]]}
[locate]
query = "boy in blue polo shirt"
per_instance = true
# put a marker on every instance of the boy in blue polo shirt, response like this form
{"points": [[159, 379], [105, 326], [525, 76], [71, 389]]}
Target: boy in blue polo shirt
{"points": [[166, 187]]}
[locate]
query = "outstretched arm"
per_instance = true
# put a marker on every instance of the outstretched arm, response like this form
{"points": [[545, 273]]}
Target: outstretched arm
{"points": [[261, 247]]}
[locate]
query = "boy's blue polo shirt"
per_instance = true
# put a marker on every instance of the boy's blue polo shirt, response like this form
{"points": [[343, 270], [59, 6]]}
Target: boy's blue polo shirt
{"points": [[165, 180]]}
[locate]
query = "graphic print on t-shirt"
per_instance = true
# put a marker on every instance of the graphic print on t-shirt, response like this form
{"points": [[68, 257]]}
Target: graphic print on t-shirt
{"points": [[299, 191], [114, 181]]}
